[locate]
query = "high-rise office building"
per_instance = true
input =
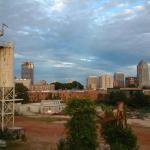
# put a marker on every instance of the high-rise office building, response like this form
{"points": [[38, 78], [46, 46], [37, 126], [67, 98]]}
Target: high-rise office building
{"points": [[92, 83], [143, 74], [27, 71], [118, 80], [106, 81]]}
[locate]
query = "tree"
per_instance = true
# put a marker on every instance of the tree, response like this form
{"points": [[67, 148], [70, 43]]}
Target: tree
{"points": [[139, 100], [119, 138], [68, 86], [21, 92], [115, 97], [59, 85], [81, 127], [77, 85]]}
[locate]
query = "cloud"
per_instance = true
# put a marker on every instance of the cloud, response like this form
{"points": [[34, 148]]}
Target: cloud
{"points": [[23, 32], [73, 38], [58, 5], [18, 56]]}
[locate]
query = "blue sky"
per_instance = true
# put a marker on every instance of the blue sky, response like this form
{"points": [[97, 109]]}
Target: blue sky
{"points": [[72, 39]]}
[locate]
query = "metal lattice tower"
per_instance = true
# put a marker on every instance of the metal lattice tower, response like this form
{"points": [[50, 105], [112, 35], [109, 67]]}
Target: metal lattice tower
{"points": [[7, 89]]}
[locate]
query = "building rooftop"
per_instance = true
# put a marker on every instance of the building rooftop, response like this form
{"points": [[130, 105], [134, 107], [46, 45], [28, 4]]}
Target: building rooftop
{"points": [[142, 62]]}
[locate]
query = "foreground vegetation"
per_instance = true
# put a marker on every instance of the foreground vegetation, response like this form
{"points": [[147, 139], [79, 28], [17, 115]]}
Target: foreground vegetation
{"points": [[82, 132], [81, 128], [119, 138], [136, 101]]}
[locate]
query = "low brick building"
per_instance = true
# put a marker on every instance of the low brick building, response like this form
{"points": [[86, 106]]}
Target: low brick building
{"points": [[37, 96]]}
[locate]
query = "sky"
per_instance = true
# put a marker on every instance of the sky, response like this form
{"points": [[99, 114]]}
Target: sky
{"points": [[73, 39]]}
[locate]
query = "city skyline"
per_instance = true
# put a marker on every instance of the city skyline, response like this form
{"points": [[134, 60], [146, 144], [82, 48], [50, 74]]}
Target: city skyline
{"points": [[71, 39]]}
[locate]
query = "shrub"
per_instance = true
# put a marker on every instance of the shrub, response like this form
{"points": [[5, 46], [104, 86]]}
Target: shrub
{"points": [[116, 136]]}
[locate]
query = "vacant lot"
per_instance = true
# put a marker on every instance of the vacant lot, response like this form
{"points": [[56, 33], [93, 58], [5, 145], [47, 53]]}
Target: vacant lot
{"points": [[43, 134]]}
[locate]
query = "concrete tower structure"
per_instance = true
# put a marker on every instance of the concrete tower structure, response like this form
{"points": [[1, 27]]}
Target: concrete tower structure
{"points": [[106, 81], [143, 74], [27, 71], [7, 90], [92, 83], [118, 80]]}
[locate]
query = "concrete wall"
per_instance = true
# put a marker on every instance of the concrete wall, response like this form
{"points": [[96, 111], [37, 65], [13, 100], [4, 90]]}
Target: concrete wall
{"points": [[45, 107]]}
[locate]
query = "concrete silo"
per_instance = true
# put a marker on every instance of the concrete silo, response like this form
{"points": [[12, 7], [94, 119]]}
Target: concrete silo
{"points": [[7, 90]]}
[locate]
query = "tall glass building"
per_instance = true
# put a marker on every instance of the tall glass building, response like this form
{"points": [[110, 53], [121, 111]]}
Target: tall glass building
{"points": [[143, 73]]}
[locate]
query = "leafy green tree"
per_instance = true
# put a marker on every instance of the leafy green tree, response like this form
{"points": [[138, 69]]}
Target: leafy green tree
{"points": [[69, 86], [21, 92], [77, 85], [81, 127], [115, 97], [139, 100], [136, 100], [59, 85], [119, 138]]}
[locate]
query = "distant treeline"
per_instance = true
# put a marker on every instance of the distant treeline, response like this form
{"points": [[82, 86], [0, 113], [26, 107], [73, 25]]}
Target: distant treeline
{"points": [[68, 86], [138, 100]]}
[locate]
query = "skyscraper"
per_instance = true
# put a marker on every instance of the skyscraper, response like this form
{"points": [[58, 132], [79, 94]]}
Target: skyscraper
{"points": [[92, 83], [143, 74], [27, 71], [106, 81], [118, 80]]}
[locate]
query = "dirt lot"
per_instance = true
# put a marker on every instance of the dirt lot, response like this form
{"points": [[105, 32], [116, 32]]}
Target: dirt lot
{"points": [[143, 135], [43, 135]]}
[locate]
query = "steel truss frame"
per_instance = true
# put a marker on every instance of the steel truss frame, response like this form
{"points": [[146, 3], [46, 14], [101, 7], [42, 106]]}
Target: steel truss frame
{"points": [[7, 107]]}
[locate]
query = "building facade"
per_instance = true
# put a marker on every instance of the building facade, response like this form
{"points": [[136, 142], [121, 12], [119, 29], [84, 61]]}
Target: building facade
{"points": [[42, 86], [131, 82], [143, 74], [27, 71], [92, 83], [106, 81], [25, 82], [118, 80], [37, 96]]}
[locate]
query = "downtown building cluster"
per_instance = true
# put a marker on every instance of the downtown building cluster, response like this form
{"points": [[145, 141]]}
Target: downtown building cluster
{"points": [[27, 78], [27, 74], [118, 80], [96, 88]]}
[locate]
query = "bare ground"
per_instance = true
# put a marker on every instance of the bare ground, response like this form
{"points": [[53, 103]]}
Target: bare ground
{"points": [[42, 135]]}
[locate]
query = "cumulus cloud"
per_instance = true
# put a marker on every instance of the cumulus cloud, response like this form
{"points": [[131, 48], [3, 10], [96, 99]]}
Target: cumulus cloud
{"points": [[76, 38]]}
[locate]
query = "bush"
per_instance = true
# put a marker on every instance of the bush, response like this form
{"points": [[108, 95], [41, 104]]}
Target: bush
{"points": [[118, 137]]}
